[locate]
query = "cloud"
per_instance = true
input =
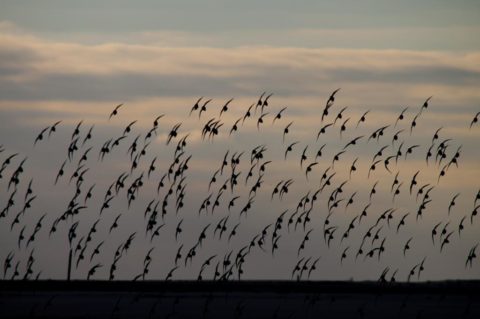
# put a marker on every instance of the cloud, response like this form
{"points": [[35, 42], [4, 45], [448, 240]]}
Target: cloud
{"points": [[34, 68]]}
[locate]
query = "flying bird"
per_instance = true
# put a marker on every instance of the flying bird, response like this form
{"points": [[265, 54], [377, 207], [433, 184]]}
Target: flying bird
{"points": [[474, 120], [40, 135], [53, 128], [115, 110], [401, 116], [279, 115], [329, 103]]}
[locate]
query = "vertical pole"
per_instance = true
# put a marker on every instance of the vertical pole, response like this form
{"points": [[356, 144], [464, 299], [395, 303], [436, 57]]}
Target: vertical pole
{"points": [[69, 264]]}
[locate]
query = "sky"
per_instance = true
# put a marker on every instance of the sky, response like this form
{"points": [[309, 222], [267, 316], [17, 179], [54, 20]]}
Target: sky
{"points": [[74, 61]]}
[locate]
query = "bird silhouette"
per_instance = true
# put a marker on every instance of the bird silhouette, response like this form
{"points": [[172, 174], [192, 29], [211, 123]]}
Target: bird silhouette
{"points": [[279, 115], [329, 104], [225, 107], [53, 128], [115, 111], [472, 254], [474, 120], [203, 108], [401, 116], [40, 135]]}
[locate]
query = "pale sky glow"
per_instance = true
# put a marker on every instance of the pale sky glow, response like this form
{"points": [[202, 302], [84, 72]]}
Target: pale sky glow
{"points": [[76, 60]]}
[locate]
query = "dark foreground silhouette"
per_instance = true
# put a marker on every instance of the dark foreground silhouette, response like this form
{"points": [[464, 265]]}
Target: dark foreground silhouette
{"points": [[241, 299]]}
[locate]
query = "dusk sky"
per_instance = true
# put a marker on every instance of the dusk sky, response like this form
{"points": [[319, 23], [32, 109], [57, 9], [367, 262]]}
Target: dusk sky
{"points": [[76, 60]]}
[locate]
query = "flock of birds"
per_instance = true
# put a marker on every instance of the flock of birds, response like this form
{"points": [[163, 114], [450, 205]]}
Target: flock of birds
{"points": [[238, 180]]}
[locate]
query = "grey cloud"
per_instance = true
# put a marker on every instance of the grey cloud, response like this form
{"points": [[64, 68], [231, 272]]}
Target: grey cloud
{"points": [[412, 75], [281, 80], [123, 87], [14, 61]]}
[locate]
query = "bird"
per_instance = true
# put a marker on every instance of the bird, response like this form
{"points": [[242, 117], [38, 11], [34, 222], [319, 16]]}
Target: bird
{"points": [[413, 182], [225, 107], [155, 121], [362, 118], [387, 161], [414, 123], [260, 119], [372, 167], [474, 213], [128, 128], [93, 269], [461, 226], [279, 115], [114, 224], [170, 273], [203, 108], [330, 101], [425, 104], [195, 106], [410, 150], [286, 130], [235, 126], [260, 101], [396, 136], [446, 240], [352, 142], [353, 168], [248, 113], [53, 128], [96, 251], [275, 244], [61, 172], [401, 116], [452, 202], [343, 128], [472, 254], [344, 255], [290, 148], [115, 110], [323, 129], [340, 115], [407, 246], [336, 157], [40, 135], [178, 229], [173, 132], [402, 221], [303, 158], [435, 136], [88, 136], [474, 120], [412, 272]]}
